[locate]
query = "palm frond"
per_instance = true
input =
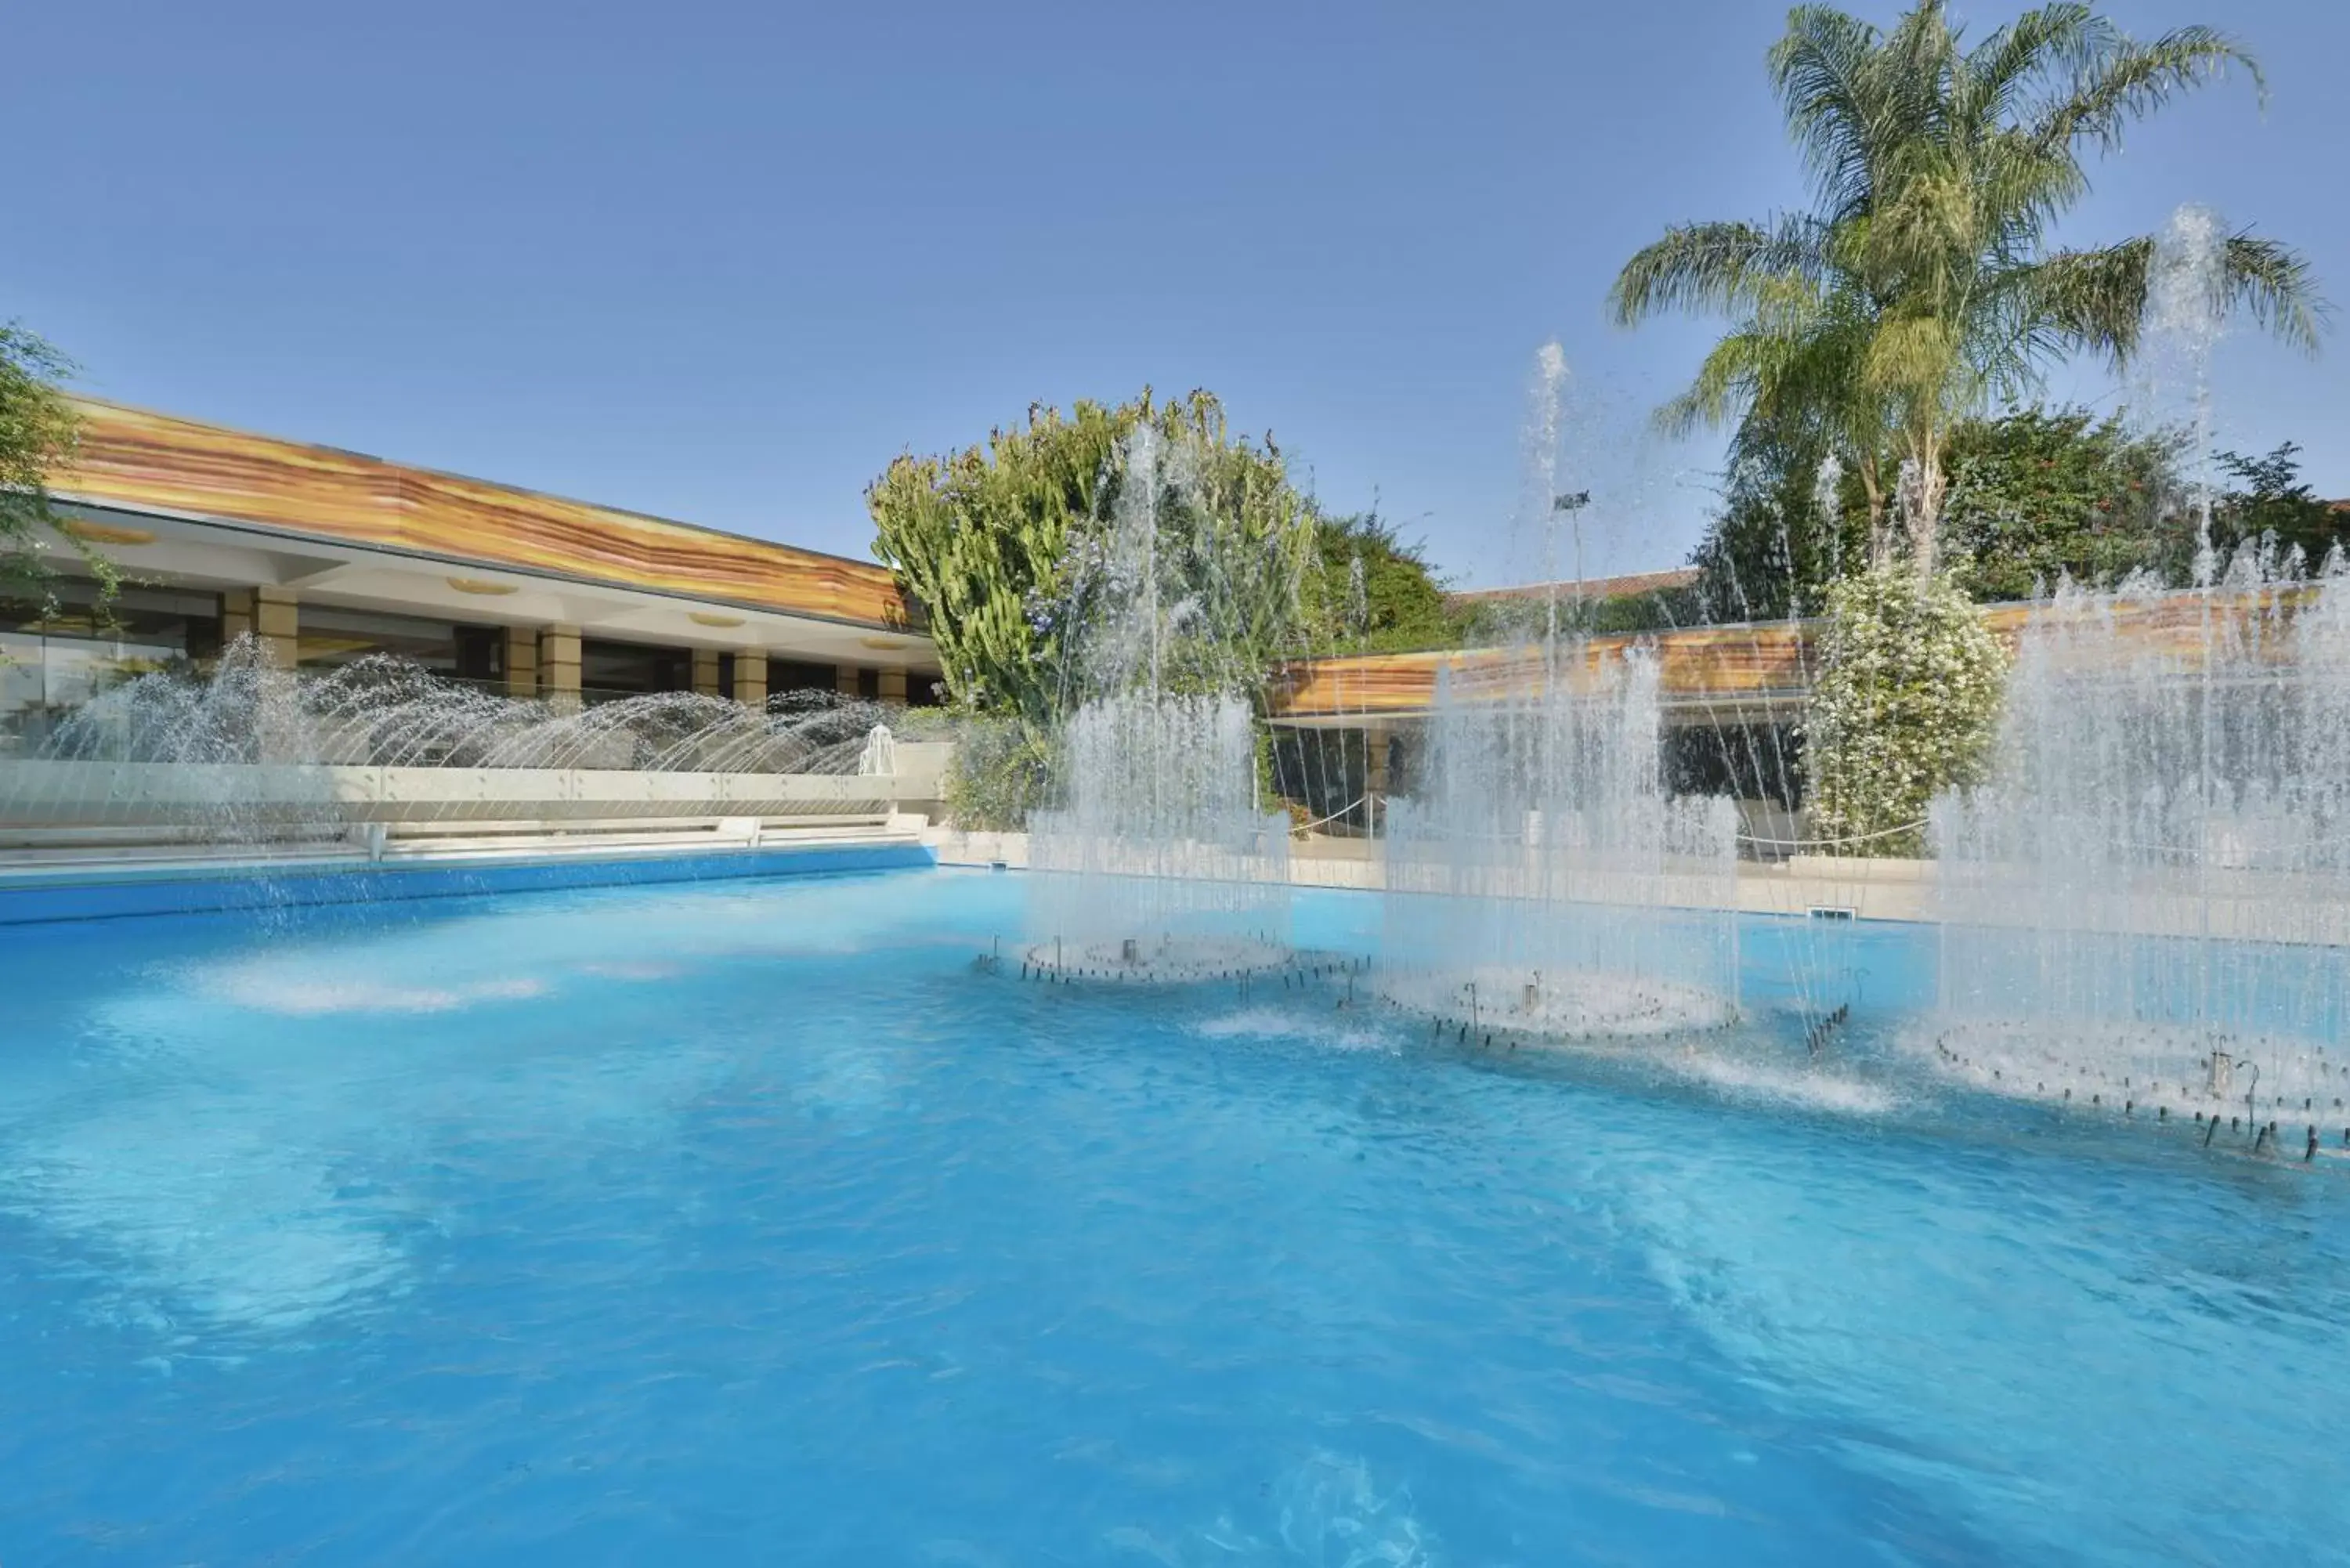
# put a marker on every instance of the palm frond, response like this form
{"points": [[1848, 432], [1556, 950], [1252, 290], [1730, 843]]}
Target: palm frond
{"points": [[1725, 385], [2274, 283], [2132, 80], [2087, 301], [1833, 99], [2067, 38], [1717, 266]]}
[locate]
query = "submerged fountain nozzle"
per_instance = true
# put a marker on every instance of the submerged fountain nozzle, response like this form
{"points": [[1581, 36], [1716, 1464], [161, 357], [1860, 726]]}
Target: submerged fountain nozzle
{"points": [[2223, 1072]]}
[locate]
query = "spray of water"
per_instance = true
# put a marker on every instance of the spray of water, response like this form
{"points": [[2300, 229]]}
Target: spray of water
{"points": [[1162, 864], [2186, 313], [249, 756], [1542, 879]]}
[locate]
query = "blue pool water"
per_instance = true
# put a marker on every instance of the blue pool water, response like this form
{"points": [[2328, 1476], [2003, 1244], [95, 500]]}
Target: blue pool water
{"points": [[748, 1223]]}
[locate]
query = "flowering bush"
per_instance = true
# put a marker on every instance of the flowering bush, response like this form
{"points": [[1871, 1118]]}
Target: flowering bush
{"points": [[1904, 706]]}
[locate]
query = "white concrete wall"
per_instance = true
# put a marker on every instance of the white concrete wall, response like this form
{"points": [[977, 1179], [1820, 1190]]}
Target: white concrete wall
{"points": [[76, 793]]}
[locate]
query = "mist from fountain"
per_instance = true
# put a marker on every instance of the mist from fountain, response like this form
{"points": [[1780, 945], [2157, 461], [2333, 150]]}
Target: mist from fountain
{"points": [[249, 756], [2159, 870], [1543, 880], [2149, 902], [1161, 864]]}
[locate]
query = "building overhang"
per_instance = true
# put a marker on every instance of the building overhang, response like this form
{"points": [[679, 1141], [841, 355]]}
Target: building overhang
{"points": [[1758, 672], [195, 503], [212, 554], [1744, 674]]}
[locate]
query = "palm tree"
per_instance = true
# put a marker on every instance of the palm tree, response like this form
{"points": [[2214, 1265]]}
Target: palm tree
{"points": [[1920, 287]]}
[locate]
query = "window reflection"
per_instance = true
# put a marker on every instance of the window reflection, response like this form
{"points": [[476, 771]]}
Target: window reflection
{"points": [[57, 656], [330, 639]]}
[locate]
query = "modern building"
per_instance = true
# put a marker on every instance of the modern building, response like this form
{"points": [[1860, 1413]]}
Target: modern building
{"points": [[1350, 731], [327, 556]]}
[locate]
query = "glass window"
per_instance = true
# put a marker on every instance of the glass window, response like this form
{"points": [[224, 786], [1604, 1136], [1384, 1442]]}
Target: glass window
{"points": [[610, 669], [329, 637], [58, 655], [793, 675]]}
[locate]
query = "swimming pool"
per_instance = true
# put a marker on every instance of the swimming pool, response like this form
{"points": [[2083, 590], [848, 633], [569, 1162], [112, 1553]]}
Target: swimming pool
{"points": [[748, 1223]]}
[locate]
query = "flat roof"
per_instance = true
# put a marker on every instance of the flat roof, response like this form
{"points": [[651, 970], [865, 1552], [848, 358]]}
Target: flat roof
{"points": [[137, 459], [1733, 672]]}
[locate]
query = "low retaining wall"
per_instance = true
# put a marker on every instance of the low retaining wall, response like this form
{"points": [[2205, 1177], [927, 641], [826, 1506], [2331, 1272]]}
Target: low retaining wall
{"points": [[1868, 889], [38, 794], [86, 893], [2237, 905]]}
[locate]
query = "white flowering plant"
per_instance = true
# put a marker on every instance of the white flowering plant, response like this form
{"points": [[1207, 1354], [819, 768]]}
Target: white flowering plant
{"points": [[1904, 705]]}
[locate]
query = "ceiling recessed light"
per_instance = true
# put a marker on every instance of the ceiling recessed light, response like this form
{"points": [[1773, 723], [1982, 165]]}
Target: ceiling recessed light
{"points": [[480, 586], [711, 617], [884, 643]]}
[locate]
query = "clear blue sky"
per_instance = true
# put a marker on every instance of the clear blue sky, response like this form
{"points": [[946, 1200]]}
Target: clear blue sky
{"points": [[721, 261]]}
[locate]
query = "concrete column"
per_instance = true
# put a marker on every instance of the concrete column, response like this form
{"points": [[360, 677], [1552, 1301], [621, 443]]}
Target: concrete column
{"points": [[276, 625], [844, 679], [269, 616], [750, 679], [236, 614], [522, 661], [705, 671], [893, 687], [558, 667]]}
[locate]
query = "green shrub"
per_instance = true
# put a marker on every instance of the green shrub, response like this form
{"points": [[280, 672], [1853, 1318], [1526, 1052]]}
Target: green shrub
{"points": [[1002, 770], [1904, 706]]}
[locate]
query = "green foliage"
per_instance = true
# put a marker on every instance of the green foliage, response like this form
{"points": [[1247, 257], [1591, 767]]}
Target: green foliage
{"points": [[2268, 499], [2041, 494], [2035, 494], [1014, 553], [1905, 706], [982, 540], [1922, 289], [1774, 549], [37, 432], [1369, 592], [1002, 770], [1219, 603], [1006, 548], [1516, 619]]}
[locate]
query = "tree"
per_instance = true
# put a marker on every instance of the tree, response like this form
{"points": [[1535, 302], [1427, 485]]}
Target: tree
{"points": [[1792, 520], [1904, 705], [1921, 290], [1367, 591], [38, 432], [980, 540], [2039, 494], [1013, 551], [2269, 500], [1086, 552]]}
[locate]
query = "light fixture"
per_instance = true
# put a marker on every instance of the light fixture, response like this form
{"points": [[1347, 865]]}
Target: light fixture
{"points": [[885, 644], [108, 533], [711, 618], [481, 585]]}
